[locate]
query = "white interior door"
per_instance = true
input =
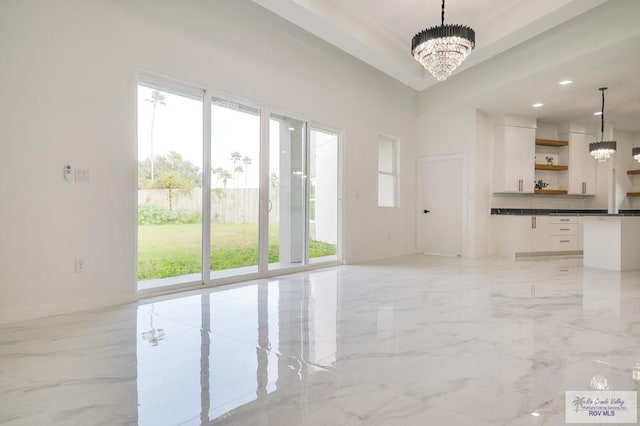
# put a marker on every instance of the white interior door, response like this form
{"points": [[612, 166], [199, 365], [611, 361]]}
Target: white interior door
{"points": [[441, 200]]}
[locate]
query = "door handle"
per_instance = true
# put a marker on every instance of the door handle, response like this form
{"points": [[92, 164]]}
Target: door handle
{"points": [[426, 211]]}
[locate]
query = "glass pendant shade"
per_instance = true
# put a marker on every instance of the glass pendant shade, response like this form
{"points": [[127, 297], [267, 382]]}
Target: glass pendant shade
{"points": [[635, 152], [602, 150], [442, 49]]}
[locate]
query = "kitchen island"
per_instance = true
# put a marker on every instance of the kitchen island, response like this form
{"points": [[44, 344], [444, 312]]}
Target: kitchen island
{"points": [[612, 242]]}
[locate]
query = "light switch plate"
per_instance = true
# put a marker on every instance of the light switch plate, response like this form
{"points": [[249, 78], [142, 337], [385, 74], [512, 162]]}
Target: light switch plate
{"points": [[82, 176]]}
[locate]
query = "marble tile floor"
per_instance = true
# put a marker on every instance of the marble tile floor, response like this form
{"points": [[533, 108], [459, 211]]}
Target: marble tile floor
{"points": [[416, 340]]}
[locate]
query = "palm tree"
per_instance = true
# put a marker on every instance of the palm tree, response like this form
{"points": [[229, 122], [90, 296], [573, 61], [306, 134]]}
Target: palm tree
{"points": [[247, 162], [157, 98], [225, 175], [235, 157], [222, 175]]}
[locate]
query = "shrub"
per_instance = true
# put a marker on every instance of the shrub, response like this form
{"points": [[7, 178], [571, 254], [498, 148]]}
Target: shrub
{"points": [[149, 214]]}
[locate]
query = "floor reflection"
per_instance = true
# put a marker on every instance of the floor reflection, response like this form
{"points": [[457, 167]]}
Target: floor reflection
{"points": [[215, 352]]}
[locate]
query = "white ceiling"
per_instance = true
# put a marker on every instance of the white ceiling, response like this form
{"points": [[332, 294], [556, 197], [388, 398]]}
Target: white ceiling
{"points": [[379, 33]]}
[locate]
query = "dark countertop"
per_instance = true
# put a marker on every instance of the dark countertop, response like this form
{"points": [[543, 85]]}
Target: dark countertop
{"points": [[561, 212]]}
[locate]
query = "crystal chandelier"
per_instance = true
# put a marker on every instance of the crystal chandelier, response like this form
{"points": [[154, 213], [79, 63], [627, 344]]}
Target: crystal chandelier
{"points": [[602, 150], [441, 49], [635, 152]]}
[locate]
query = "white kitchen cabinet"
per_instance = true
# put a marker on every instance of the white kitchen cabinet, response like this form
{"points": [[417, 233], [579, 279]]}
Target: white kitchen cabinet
{"points": [[540, 234], [514, 156], [512, 234], [557, 234], [582, 166], [515, 235]]}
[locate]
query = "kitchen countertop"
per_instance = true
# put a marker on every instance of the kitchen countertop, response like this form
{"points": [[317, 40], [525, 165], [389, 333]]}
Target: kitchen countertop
{"points": [[561, 212]]}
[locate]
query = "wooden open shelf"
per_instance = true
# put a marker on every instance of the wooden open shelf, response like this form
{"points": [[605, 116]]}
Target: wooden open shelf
{"points": [[551, 142], [633, 194], [633, 172], [551, 191], [557, 167]]}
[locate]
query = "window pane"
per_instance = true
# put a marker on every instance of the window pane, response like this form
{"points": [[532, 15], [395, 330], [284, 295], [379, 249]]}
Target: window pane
{"points": [[386, 155], [235, 157], [386, 190], [287, 173], [169, 187], [323, 196]]}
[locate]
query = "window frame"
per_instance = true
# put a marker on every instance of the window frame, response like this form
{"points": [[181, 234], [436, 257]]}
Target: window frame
{"points": [[394, 173]]}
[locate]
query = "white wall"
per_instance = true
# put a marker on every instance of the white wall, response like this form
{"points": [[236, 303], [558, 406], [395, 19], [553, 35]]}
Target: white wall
{"points": [[463, 131], [68, 94], [482, 175], [442, 132]]}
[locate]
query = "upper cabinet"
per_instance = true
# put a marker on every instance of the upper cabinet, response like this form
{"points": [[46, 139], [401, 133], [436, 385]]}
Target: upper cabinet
{"points": [[582, 167], [540, 158], [514, 153]]}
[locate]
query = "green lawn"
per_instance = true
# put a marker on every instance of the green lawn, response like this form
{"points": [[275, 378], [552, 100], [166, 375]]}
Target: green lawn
{"points": [[172, 250]]}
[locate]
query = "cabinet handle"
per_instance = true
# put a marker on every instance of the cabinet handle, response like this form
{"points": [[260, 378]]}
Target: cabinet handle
{"points": [[565, 229], [565, 241], [533, 222], [520, 185], [584, 187], [565, 220]]}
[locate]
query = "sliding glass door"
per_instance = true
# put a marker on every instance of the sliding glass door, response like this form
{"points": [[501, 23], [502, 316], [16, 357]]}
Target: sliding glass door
{"points": [[266, 184], [323, 195], [170, 143], [287, 191], [235, 182]]}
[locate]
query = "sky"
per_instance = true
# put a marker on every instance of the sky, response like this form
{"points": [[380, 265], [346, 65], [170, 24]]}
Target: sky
{"points": [[178, 127]]}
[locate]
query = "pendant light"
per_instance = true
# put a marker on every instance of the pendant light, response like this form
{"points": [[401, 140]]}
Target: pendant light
{"points": [[441, 49], [602, 150]]}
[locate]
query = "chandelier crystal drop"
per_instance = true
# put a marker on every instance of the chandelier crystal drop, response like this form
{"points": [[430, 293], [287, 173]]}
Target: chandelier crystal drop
{"points": [[602, 150], [442, 49]]}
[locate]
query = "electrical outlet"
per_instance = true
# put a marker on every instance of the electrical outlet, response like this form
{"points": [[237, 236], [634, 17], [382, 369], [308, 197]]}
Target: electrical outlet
{"points": [[80, 265]]}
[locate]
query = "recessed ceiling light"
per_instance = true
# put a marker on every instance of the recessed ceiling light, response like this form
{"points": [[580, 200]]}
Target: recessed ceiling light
{"points": [[597, 113], [537, 105], [535, 414], [565, 82]]}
